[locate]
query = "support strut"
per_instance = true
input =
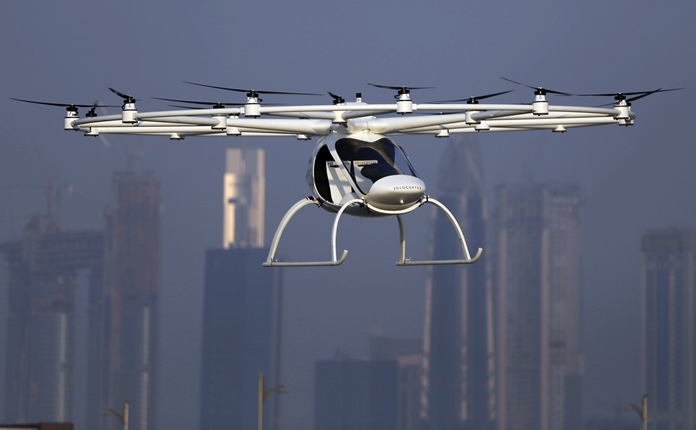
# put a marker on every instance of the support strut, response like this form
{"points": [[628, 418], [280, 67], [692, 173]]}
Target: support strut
{"points": [[271, 260], [467, 257], [335, 261]]}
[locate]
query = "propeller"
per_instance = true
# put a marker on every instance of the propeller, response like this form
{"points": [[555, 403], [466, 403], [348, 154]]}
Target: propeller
{"points": [[539, 90], [215, 105], [475, 99], [69, 106], [619, 97], [401, 90], [188, 107], [126, 98], [337, 100], [253, 93]]}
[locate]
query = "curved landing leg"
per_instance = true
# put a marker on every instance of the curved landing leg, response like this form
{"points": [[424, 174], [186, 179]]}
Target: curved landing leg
{"points": [[271, 261], [467, 257]]}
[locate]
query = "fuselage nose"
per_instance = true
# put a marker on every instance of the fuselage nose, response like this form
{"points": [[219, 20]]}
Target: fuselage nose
{"points": [[396, 192]]}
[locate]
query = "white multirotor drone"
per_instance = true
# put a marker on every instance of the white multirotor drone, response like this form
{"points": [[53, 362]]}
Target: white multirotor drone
{"points": [[355, 168]]}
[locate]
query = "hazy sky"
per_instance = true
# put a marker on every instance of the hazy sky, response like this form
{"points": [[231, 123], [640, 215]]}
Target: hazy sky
{"points": [[634, 178]]}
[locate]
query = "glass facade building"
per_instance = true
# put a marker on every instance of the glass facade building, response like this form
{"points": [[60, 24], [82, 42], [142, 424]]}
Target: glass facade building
{"points": [[537, 260], [669, 327]]}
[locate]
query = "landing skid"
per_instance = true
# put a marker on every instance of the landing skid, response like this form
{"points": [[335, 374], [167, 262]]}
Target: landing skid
{"points": [[467, 257], [272, 262]]}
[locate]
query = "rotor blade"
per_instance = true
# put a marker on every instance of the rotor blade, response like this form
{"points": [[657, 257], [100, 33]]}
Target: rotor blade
{"points": [[219, 88], [242, 90], [286, 93], [122, 95], [660, 90], [186, 107], [518, 83], [640, 94], [336, 98], [538, 88], [392, 87], [49, 103], [198, 102], [474, 98], [62, 104]]}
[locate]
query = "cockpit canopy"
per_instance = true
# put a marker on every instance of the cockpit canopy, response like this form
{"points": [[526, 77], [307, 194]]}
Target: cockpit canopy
{"points": [[355, 166]]}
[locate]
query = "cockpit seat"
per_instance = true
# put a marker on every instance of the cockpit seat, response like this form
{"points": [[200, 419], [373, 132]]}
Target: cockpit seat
{"points": [[376, 170]]}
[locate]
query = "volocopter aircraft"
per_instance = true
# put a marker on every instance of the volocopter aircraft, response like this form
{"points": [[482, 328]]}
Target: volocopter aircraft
{"points": [[356, 168]]}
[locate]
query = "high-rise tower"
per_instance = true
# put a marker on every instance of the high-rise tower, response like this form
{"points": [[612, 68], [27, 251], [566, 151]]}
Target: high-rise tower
{"points": [[122, 264], [669, 327], [537, 254], [43, 275], [244, 199], [408, 354], [458, 366], [242, 307], [128, 350], [356, 394]]}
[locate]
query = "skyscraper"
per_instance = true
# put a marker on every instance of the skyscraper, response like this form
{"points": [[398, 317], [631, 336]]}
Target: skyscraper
{"points": [[408, 354], [355, 394], [122, 264], [40, 352], [244, 197], [242, 310], [458, 342], [669, 327], [537, 254], [125, 359]]}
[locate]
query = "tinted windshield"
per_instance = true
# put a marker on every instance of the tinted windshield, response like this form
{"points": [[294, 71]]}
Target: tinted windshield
{"points": [[368, 162]]}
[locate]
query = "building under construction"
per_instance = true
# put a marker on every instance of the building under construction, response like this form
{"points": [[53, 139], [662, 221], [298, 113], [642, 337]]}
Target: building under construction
{"points": [[122, 267], [130, 316], [43, 268]]}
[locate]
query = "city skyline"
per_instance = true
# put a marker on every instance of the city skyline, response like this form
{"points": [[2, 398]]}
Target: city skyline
{"points": [[635, 178], [107, 318], [118, 178]]}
